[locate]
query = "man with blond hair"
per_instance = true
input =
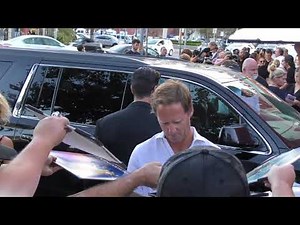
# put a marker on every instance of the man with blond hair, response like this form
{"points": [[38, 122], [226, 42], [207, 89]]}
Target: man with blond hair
{"points": [[172, 104]]}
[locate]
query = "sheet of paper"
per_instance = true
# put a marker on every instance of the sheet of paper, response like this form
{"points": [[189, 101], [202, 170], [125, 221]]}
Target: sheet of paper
{"points": [[86, 166], [282, 159]]}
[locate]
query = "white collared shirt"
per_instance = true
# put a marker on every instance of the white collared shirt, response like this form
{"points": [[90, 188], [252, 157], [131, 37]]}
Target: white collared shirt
{"points": [[157, 149]]}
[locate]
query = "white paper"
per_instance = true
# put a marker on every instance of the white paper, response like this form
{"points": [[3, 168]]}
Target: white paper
{"points": [[282, 159]]}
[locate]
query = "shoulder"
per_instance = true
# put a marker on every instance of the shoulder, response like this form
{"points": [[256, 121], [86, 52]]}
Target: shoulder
{"points": [[109, 118], [146, 148]]}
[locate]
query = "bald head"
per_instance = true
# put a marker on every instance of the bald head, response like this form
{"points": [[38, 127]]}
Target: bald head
{"points": [[249, 68]]}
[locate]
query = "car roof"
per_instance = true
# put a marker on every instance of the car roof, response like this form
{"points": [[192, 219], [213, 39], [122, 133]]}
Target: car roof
{"points": [[219, 74]]}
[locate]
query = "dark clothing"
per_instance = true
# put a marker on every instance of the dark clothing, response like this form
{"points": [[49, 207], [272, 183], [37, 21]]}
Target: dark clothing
{"points": [[262, 81], [281, 93], [290, 77], [130, 52], [121, 131], [263, 71], [290, 89]]}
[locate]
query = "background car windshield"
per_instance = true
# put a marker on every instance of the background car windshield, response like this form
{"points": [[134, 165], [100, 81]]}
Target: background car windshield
{"points": [[284, 119]]}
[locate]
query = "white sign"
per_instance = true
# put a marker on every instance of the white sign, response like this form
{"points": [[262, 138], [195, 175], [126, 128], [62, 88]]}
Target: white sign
{"points": [[215, 30]]}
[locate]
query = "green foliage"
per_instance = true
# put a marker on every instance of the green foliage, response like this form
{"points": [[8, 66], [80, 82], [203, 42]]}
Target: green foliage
{"points": [[66, 35], [190, 43]]}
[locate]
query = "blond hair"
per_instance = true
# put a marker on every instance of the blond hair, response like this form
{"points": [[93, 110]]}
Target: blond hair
{"points": [[5, 110], [273, 66], [172, 91]]}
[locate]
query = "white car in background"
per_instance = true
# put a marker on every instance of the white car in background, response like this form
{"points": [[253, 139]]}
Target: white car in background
{"points": [[36, 42], [157, 44], [239, 46]]}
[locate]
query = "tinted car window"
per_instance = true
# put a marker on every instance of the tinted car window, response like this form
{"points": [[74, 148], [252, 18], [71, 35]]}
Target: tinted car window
{"points": [[41, 91], [211, 113], [83, 95]]}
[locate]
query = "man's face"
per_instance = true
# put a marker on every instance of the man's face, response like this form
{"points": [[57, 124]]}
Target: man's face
{"points": [[277, 53], [136, 46], [174, 122], [251, 70], [164, 51]]}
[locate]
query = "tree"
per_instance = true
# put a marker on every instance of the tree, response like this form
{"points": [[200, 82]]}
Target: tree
{"points": [[66, 35]]}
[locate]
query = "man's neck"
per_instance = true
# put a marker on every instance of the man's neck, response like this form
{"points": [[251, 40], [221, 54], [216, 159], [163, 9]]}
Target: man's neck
{"points": [[145, 99]]}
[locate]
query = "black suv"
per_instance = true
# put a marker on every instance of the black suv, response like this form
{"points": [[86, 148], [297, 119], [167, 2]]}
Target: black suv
{"points": [[240, 115]]}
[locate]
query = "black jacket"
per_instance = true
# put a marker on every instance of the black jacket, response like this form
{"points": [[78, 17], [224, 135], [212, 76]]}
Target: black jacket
{"points": [[121, 131]]}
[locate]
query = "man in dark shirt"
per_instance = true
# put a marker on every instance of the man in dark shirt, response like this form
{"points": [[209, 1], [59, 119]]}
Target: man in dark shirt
{"points": [[121, 131], [135, 47]]}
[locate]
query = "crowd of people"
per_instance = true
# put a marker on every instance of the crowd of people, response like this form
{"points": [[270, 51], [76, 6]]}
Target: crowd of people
{"points": [[162, 115]]}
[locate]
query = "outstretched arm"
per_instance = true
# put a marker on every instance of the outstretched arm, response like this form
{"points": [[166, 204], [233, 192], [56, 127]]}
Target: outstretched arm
{"points": [[146, 176], [21, 176]]}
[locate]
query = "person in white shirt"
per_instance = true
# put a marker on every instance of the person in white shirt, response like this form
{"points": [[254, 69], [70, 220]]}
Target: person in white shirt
{"points": [[172, 104], [279, 55]]}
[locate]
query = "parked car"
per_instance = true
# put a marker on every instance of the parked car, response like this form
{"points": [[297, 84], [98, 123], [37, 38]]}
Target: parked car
{"points": [[240, 115], [122, 49], [157, 44], [37, 42], [89, 44], [106, 40]]}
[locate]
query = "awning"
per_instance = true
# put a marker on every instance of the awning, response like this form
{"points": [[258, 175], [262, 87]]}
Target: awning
{"points": [[266, 35]]}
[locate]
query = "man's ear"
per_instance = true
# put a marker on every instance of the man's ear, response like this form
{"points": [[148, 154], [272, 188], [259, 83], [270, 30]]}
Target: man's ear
{"points": [[154, 88], [191, 111], [131, 89]]}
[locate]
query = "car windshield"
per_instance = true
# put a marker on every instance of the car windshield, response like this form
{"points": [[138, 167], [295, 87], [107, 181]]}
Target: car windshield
{"points": [[284, 119]]}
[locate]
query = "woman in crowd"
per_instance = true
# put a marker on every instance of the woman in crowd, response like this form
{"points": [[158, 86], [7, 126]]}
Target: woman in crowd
{"points": [[277, 79]]}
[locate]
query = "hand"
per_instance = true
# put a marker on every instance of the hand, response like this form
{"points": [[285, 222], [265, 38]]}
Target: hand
{"points": [[282, 175], [50, 167], [51, 130], [150, 173]]}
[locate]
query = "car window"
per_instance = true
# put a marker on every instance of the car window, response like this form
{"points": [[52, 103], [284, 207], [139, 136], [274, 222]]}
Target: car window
{"points": [[211, 113], [29, 41], [152, 52], [82, 95], [38, 41], [41, 91], [47, 41]]}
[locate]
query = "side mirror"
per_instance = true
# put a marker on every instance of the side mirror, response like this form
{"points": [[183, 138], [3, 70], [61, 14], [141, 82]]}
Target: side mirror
{"points": [[236, 136]]}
